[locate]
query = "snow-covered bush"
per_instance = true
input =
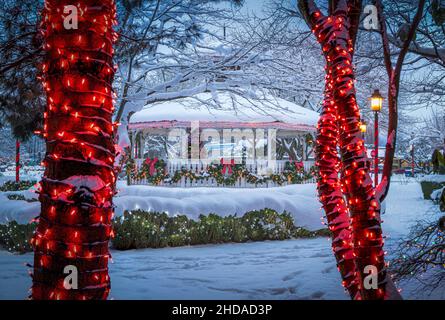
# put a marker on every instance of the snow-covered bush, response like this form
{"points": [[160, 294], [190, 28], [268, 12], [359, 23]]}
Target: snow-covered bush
{"points": [[20, 197], [438, 196], [140, 229], [421, 255], [430, 183], [17, 186]]}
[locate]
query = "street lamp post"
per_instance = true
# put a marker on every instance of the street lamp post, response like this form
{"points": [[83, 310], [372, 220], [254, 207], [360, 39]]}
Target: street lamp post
{"points": [[363, 128], [376, 106], [411, 153]]}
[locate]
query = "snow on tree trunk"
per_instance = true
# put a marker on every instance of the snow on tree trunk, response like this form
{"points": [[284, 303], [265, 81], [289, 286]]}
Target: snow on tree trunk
{"points": [[357, 243], [78, 185]]}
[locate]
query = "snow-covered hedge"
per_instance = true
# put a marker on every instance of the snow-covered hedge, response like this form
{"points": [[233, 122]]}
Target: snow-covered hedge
{"points": [[430, 183], [140, 229], [17, 186], [438, 196]]}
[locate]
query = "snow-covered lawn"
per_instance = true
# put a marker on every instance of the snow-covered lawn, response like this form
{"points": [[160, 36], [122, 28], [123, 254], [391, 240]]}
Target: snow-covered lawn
{"points": [[294, 269]]}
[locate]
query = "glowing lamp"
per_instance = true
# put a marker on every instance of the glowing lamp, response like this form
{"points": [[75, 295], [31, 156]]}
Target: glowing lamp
{"points": [[363, 127], [376, 101]]}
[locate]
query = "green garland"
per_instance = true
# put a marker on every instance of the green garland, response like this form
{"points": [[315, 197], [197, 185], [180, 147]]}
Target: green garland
{"points": [[296, 175], [290, 175], [130, 169], [157, 177]]}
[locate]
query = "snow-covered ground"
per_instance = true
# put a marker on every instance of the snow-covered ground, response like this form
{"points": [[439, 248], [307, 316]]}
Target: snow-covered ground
{"points": [[294, 269]]}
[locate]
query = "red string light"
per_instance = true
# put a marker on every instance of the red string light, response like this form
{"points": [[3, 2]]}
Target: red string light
{"points": [[78, 185]]}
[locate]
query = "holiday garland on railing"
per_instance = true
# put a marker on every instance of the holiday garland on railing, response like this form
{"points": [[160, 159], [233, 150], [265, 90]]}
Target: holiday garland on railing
{"points": [[154, 172], [74, 226]]}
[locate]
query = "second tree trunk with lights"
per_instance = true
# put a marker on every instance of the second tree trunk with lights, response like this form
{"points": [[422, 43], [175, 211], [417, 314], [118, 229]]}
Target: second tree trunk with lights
{"points": [[345, 187]]}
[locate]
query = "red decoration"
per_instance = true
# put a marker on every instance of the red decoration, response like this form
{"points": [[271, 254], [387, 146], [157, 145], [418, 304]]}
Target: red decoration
{"points": [[298, 165], [79, 181], [345, 187], [227, 167], [151, 163]]}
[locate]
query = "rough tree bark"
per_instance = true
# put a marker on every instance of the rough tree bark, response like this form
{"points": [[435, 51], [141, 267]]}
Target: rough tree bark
{"points": [[78, 185]]}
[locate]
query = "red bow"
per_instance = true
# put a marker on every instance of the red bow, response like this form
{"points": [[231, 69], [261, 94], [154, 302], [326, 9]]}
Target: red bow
{"points": [[227, 167], [298, 165], [151, 163]]}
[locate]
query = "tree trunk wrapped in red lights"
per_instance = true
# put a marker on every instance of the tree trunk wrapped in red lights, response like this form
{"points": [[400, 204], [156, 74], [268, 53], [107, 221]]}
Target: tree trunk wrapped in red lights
{"points": [[330, 193], [358, 240], [78, 185]]}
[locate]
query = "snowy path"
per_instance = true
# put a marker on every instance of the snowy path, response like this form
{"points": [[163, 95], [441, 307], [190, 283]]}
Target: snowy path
{"points": [[294, 269]]}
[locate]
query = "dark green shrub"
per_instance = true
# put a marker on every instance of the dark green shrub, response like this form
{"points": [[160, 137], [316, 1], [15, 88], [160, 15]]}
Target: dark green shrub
{"points": [[234, 230], [267, 225], [178, 231], [303, 233], [14, 196], [140, 229], [429, 186], [16, 237], [17, 186], [209, 229]]}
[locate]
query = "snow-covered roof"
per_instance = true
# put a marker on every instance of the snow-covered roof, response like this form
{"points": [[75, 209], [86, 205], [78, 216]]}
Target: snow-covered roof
{"points": [[226, 110]]}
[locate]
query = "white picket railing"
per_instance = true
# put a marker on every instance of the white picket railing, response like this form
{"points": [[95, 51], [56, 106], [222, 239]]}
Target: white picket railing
{"points": [[258, 167]]}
